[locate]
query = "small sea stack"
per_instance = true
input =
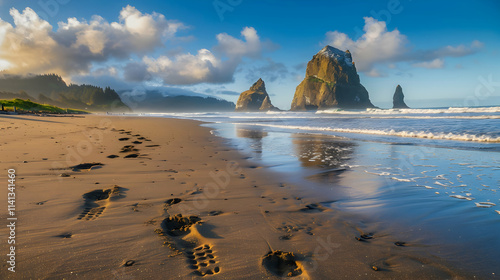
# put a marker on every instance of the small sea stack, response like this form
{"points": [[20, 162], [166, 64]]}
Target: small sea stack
{"points": [[398, 99], [255, 99]]}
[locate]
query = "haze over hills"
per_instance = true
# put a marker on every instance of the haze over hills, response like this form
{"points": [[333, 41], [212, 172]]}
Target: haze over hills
{"points": [[52, 89], [154, 101]]}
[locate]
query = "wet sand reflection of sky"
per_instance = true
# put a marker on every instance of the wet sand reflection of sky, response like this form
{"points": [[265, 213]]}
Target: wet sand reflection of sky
{"points": [[411, 188]]}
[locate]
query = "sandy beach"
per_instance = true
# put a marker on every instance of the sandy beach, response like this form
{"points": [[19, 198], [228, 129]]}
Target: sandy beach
{"points": [[110, 197]]}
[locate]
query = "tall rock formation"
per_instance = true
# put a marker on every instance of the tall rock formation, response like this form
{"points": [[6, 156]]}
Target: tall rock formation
{"points": [[331, 82], [398, 99], [255, 99]]}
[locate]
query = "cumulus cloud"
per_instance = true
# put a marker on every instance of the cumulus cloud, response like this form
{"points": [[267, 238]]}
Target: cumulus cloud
{"points": [[32, 46], [251, 46], [379, 46], [189, 68], [447, 51], [375, 73], [270, 71], [76, 47], [434, 64], [376, 45], [206, 66], [136, 72]]}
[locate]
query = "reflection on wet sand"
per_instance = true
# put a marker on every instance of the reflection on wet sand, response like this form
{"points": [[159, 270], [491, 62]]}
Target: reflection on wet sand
{"points": [[323, 152], [256, 133], [407, 189], [327, 153], [255, 136]]}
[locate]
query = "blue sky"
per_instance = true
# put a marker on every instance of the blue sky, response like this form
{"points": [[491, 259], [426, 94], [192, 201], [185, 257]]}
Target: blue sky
{"points": [[441, 52]]}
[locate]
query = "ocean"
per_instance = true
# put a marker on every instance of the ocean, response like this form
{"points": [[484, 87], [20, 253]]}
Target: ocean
{"points": [[431, 176]]}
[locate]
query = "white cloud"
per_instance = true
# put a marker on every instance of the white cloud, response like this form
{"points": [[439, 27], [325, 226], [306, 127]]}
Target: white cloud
{"points": [[205, 66], [376, 45], [375, 73], [379, 46], [31, 45], [77, 47], [434, 64], [270, 71], [184, 68], [252, 46]]}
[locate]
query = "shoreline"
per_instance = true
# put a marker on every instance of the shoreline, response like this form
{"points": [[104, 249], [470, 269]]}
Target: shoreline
{"points": [[238, 211]]}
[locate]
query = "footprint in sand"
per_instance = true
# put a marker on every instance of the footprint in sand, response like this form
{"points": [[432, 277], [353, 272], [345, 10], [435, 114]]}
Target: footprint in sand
{"points": [[123, 139], [171, 202], [313, 207], [86, 166], [131, 156], [128, 149], [282, 264], [201, 258], [178, 225], [203, 261], [65, 235], [364, 237], [96, 202]]}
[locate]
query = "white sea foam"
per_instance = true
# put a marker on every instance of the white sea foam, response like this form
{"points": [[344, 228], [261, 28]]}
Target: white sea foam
{"points": [[379, 174], [440, 184], [440, 177], [461, 197], [485, 204], [401, 179], [451, 110], [410, 134]]}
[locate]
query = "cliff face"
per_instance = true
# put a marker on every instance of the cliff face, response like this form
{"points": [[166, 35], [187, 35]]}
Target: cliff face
{"points": [[255, 99], [331, 82], [398, 99]]}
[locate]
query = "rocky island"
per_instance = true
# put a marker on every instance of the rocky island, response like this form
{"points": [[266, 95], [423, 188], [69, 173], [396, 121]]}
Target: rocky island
{"points": [[255, 99], [331, 82], [398, 99]]}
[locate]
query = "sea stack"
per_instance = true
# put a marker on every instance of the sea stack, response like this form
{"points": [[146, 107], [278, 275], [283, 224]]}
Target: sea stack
{"points": [[255, 99], [331, 82], [398, 99]]}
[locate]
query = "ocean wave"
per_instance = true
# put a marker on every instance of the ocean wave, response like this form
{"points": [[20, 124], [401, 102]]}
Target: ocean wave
{"points": [[297, 116], [439, 117], [409, 134], [450, 110]]}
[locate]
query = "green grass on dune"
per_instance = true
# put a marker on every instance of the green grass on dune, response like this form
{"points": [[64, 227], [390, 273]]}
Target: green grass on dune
{"points": [[27, 105]]}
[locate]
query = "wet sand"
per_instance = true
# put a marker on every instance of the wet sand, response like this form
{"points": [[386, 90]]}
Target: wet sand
{"points": [[108, 197]]}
